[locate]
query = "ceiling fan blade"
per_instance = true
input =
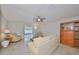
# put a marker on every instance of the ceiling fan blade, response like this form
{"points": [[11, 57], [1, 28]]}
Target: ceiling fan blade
{"points": [[39, 19], [43, 18]]}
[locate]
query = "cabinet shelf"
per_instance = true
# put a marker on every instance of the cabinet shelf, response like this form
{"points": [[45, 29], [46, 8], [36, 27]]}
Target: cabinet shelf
{"points": [[69, 34], [76, 26], [76, 39], [76, 31]]}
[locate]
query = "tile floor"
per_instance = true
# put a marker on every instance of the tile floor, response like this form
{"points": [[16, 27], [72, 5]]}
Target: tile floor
{"points": [[65, 50], [20, 48]]}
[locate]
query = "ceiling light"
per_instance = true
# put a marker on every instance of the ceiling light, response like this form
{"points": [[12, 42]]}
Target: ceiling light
{"points": [[39, 20]]}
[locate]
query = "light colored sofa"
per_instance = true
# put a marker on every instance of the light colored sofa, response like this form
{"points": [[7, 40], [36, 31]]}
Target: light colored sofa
{"points": [[43, 45]]}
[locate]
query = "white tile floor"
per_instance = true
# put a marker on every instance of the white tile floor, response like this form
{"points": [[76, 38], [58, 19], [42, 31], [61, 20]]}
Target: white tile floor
{"points": [[20, 48], [66, 50]]}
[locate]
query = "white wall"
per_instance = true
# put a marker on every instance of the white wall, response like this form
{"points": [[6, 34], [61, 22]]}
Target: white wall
{"points": [[16, 27], [0, 19], [4, 24], [53, 28]]}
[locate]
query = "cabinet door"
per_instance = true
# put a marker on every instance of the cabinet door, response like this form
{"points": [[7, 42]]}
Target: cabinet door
{"points": [[70, 38], [62, 37], [76, 43], [67, 38]]}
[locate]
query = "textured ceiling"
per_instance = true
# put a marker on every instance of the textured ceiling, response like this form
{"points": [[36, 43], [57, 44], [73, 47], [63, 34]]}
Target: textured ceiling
{"points": [[27, 12]]}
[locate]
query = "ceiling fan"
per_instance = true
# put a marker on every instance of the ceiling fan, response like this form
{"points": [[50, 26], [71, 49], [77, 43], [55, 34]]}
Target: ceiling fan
{"points": [[39, 19]]}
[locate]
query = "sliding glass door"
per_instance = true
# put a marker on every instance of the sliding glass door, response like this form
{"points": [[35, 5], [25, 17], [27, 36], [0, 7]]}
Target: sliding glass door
{"points": [[28, 33]]}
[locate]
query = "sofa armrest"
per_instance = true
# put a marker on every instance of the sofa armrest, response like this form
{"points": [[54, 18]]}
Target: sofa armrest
{"points": [[32, 48]]}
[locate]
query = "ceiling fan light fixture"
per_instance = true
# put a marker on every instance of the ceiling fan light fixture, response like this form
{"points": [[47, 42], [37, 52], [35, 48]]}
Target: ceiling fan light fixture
{"points": [[39, 19]]}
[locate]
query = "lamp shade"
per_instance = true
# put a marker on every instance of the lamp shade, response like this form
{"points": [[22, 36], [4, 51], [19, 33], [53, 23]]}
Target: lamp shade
{"points": [[6, 31], [2, 35]]}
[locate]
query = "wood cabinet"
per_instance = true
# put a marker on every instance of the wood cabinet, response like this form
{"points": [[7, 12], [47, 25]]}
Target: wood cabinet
{"points": [[69, 33]]}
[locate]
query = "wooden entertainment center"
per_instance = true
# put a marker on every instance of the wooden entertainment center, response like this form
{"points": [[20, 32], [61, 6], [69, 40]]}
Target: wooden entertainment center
{"points": [[69, 33]]}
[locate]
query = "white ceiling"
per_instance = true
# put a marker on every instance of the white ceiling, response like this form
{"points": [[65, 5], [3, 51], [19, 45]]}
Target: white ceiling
{"points": [[27, 12]]}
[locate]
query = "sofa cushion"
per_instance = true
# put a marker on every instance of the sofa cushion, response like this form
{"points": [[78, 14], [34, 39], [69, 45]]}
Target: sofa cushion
{"points": [[43, 45], [41, 40], [37, 41]]}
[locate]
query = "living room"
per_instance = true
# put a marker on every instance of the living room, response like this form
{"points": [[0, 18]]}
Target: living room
{"points": [[42, 20]]}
